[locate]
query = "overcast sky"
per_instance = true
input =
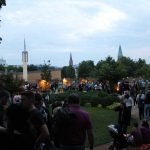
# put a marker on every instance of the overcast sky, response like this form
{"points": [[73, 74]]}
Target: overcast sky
{"points": [[89, 29]]}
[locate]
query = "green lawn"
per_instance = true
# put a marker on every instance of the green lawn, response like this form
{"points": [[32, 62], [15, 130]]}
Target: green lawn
{"points": [[101, 118]]}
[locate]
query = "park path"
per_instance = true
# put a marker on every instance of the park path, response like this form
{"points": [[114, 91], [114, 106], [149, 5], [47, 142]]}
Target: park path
{"points": [[134, 114]]}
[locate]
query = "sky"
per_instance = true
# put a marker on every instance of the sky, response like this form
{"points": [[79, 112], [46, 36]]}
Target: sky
{"points": [[88, 29]]}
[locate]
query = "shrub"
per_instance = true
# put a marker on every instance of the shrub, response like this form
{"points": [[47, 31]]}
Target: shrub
{"points": [[87, 104], [102, 94], [113, 106], [61, 97], [84, 99], [95, 100], [108, 100]]}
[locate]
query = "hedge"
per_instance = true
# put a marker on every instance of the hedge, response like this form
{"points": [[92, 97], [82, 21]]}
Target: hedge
{"points": [[93, 97]]}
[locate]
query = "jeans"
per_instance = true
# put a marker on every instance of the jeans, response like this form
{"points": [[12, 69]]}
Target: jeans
{"points": [[147, 111]]}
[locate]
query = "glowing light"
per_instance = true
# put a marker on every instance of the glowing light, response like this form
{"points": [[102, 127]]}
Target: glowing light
{"points": [[44, 85]]}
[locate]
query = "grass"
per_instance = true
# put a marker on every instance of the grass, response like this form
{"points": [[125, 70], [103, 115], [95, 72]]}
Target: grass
{"points": [[101, 118]]}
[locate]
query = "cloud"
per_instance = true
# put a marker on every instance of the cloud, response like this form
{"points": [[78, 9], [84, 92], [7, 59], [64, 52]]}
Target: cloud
{"points": [[88, 29], [74, 19]]}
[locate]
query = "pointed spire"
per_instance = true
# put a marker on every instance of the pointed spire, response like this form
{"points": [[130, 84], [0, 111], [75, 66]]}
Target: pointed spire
{"points": [[24, 44], [120, 54], [70, 60]]}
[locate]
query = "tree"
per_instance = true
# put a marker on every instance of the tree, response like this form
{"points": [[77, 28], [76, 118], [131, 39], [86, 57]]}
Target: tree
{"points": [[68, 72], [86, 69], [106, 69], [2, 68], [32, 67], [12, 68], [12, 84], [129, 64], [2, 3], [46, 71]]}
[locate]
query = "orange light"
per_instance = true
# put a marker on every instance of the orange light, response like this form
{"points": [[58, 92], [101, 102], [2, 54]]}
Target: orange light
{"points": [[117, 88], [44, 85]]}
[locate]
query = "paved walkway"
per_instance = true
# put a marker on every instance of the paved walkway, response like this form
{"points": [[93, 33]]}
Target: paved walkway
{"points": [[134, 114]]}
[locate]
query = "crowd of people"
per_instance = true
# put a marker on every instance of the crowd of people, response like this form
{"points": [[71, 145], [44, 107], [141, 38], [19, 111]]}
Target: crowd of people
{"points": [[27, 124], [140, 98]]}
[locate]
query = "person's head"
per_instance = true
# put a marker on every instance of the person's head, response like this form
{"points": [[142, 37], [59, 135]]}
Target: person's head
{"points": [[4, 97], [73, 98], [145, 123], [126, 94], [28, 98], [38, 99]]}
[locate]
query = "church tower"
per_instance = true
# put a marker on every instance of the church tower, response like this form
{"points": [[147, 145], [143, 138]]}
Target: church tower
{"points": [[70, 60], [25, 62], [120, 55]]}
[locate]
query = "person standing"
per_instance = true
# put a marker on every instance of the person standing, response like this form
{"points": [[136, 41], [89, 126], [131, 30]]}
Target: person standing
{"points": [[4, 99], [140, 101], [39, 128], [147, 105], [73, 135], [126, 114]]}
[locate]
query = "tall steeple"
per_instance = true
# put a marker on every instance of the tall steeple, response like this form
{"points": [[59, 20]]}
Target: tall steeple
{"points": [[25, 62], [24, 44], [70, 60], [120, 54]]}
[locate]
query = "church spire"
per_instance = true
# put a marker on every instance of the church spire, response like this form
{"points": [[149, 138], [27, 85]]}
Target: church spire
{"points": [[70, 60], [120, 54], [24, 44]]}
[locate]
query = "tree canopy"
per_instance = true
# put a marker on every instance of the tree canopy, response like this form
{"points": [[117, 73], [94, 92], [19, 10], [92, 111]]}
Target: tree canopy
{"points": [[112, 70], [68, 72], [2, 3], [86, 69], [46, 71]]}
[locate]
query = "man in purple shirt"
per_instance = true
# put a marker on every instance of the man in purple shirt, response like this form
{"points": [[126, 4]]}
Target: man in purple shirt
{"points": [[75, 136]]}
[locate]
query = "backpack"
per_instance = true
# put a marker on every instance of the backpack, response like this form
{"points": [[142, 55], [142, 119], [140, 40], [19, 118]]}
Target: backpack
{"points": [[140, 101], [63, 122]]}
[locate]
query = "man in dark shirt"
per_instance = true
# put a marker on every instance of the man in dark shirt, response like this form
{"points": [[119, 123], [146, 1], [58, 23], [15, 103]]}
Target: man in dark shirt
{"points": [[4, 98], [73, 136], [36, 121], [147, 105]]}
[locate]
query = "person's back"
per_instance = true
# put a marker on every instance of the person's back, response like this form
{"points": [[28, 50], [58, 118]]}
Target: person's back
{"points": [[18, 122], [74, 135], [145, 130], [147, 98], [36, 120], [147, 106], [4, 98], [140, 101]]}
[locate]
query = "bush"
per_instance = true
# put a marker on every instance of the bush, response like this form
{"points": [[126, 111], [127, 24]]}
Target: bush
{"points": [[108, 100], [103, 94], [95, 100], [61, 97], [113, 106], [87, 104], [84, 99]]}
